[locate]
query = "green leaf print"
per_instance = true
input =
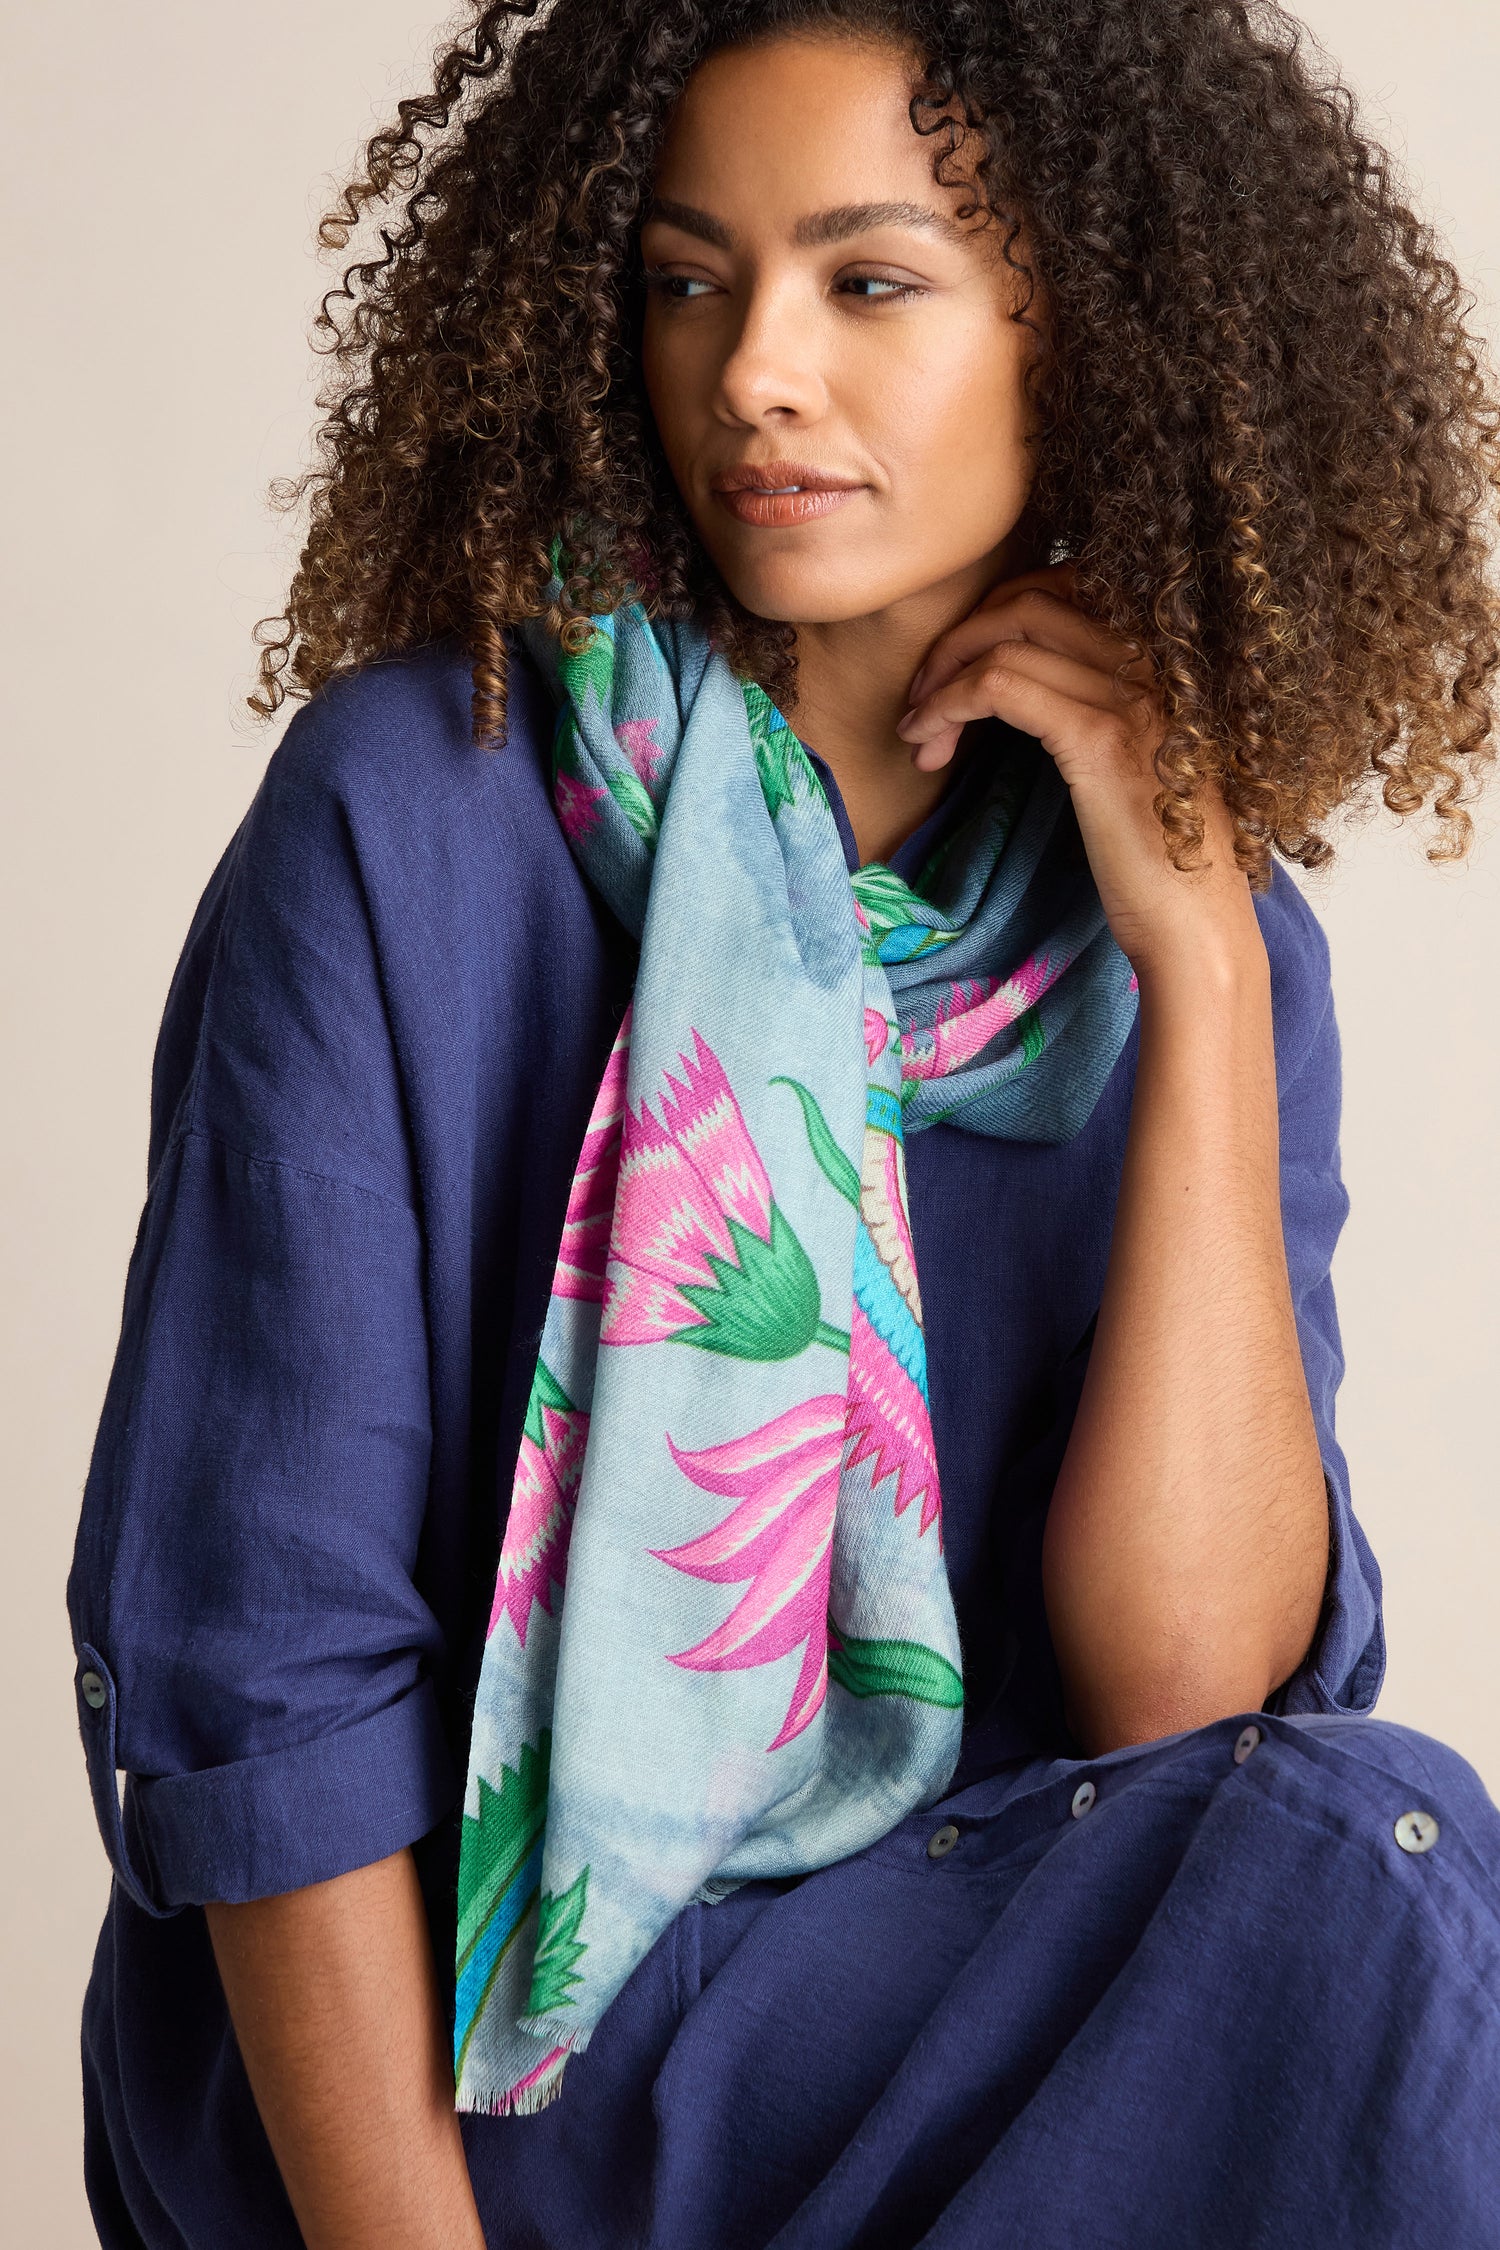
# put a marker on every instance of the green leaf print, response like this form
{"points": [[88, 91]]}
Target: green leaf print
{"points": [[593, 667], [1033, 1038], [558, 1947], [892, 904], [629, 793], [893, 1668], [762, 1303], [565, 745], [781, 761], [495, 1846], [832, 1161], [545, 1391]]}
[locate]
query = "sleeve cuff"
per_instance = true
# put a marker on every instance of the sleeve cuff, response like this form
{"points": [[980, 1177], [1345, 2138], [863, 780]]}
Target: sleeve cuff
{"points": [[274, 1823], [1343, 1670]]}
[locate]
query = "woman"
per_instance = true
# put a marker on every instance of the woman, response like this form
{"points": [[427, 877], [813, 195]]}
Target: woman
{"points": [[1025, 467]]}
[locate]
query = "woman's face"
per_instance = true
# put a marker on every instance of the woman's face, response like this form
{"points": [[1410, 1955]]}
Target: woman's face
{"points": [[815, 310]]}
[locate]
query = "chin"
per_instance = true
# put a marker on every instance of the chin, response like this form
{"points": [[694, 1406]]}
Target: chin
{"points": [[810, 589]]}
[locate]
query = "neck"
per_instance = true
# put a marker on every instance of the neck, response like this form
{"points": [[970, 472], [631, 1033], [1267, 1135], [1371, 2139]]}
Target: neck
{"points": [[853, 678]]}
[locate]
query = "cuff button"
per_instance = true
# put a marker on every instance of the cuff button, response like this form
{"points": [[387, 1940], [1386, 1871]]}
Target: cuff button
{"points": [[93, 1690]]}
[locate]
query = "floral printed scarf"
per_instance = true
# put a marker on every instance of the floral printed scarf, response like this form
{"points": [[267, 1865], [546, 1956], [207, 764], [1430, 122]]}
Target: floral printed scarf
{"points": [[722, 1643]]}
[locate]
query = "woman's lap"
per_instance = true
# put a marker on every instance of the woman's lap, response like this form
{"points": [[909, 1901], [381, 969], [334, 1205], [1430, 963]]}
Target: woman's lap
{"points": [[1221, 2004]]}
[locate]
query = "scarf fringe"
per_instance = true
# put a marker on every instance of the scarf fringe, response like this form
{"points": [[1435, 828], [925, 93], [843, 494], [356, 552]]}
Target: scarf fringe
{"points": [[524, 2101], [528, 2094], [717, 1889]]}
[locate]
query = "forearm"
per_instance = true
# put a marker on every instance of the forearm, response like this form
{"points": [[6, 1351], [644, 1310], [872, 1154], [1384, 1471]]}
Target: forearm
{"points": [[1187, 1538], [335, 2005], [1186, 1543]]}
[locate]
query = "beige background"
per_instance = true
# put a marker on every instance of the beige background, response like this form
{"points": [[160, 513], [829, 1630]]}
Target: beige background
{"points": [[165, 163]]}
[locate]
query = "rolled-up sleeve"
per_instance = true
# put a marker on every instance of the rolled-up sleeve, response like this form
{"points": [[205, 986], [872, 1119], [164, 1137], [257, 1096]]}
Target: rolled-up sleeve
{"points": [[253, 1652], [1345, 1664]]}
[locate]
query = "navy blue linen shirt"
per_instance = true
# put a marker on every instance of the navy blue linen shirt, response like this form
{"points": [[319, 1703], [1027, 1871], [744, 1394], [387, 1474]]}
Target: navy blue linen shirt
{"points": [[372, 1082]]}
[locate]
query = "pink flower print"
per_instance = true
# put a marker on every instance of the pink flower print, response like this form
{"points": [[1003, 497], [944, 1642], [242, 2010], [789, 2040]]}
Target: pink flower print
{"points": [[668, 1220], [889, 1422], [591, 1199], [577, 805], [780, 1537], [971, 1016], [877, 1033], [637, 738], [700, 1252], [534, 1552], [704, 1119]]}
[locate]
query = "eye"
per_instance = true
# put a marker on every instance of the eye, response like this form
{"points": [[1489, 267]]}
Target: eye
{"points": [[674, 286], [892, 291]]}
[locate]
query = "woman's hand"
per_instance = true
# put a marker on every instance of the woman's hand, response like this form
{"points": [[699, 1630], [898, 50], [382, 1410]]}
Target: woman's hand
{"points": [[1029, 655]]}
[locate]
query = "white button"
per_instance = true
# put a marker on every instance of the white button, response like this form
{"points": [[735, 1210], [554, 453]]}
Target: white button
{"points": [[1083, 1798], [1416, 1831], [939, 1846], [93, 1690], [1246, 1741]]}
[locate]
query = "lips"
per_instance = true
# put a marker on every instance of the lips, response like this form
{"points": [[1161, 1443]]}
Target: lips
{"points": [[781, 492]]}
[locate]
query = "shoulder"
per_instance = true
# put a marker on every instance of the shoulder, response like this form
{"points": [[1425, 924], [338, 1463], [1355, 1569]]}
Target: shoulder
{"points": [[389, 872], [379, 817], [391, 746]]}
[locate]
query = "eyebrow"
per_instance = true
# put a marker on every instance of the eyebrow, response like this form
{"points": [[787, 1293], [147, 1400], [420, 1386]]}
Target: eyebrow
{"points": [[817, 228], [848, 219]]}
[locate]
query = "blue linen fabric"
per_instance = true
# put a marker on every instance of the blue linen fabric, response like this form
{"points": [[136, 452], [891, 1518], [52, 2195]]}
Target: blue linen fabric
{"points": [[1221, 2005]]}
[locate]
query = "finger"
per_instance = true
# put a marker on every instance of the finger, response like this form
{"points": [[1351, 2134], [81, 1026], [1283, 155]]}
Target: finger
{"points": [[1034, 706], [982, 688], [937, 751], [1032, 613], [1057, 579], [1037, 616]]}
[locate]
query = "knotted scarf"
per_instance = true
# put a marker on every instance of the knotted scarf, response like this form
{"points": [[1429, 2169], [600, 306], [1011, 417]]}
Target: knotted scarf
{"points": [[722, 1643]]}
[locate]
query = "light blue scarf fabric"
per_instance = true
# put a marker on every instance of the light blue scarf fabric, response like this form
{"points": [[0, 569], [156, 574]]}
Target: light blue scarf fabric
{"points": [[722, 1643]]}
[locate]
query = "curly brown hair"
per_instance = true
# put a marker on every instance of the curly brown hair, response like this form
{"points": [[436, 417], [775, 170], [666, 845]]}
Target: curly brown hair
{"points": [[1267, 435]]}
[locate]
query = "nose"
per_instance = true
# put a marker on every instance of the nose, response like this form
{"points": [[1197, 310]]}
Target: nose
{"points": [[772, 371]]}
